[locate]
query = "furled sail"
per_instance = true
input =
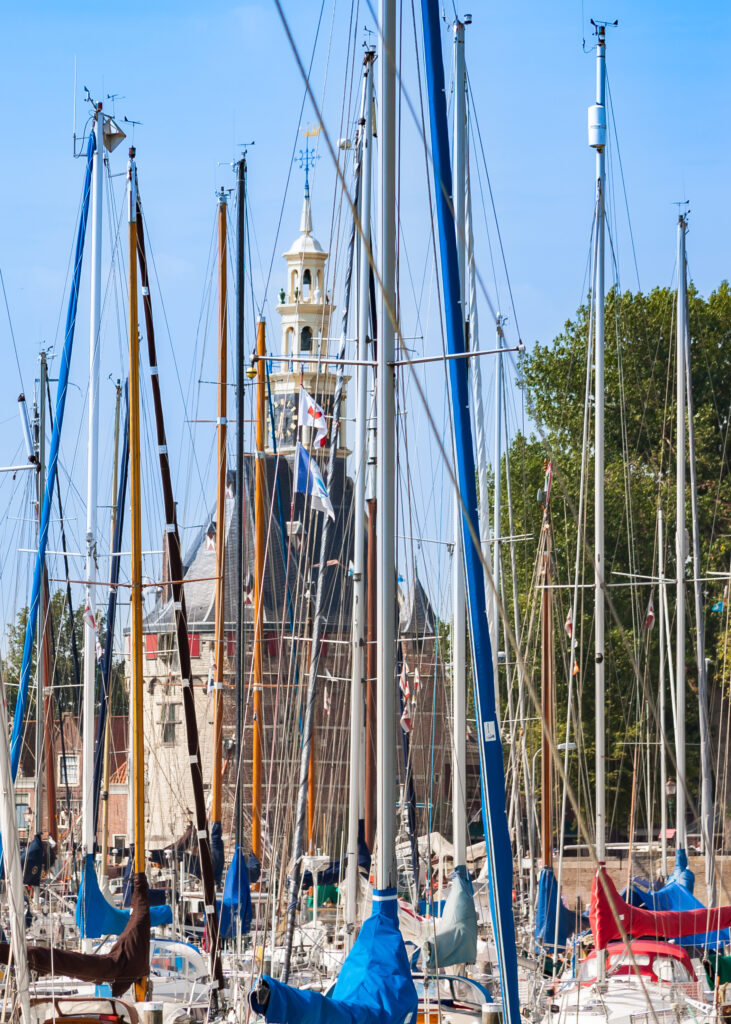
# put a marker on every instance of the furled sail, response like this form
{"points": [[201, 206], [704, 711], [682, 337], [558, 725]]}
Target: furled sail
{"points": [[550, 907], [454, 940], [374, 985], [608, 911], [96, 916], [127, 960]]}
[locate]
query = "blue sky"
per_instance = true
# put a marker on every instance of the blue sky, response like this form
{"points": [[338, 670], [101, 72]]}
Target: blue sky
{"points": [[203, 78]]}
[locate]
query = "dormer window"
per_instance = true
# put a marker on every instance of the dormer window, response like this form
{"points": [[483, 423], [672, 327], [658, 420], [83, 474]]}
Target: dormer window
{"points": [[306, 283], [306, 339]]}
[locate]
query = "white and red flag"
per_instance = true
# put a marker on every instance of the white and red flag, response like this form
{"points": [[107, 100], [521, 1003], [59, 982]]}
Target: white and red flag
{"points": [[404, 681], [326, 701], [89, 618], [313, 415], [650, 614], [416, 681], [569, 624], [406, 723]]}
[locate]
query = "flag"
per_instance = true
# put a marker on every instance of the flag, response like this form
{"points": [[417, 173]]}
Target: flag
{"points": [[416, 681], [569, 624], [211, 538], [404, 681], [406, 723], [211, 676], [313, 415], [326, 701], [308, 480], [718, 606], [99, 652], [576, 669], [650, 615], [89, 618]]}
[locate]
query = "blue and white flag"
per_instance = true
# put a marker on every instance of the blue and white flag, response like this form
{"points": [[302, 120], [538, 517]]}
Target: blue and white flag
{"points": [[308, 480]]}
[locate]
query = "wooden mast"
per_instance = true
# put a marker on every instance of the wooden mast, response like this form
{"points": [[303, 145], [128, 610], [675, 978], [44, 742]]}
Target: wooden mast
{"points": [[104, 867], [138, 748], [218, 644], [547, 699], [259, 542]]}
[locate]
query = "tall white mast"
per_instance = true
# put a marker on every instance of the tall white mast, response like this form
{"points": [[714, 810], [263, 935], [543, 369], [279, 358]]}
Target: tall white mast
{"points": [[661, 700], [386, 415], [459, 639], [681, 551], [358, 664], [497, 554], [598, 140], [90, 637]]}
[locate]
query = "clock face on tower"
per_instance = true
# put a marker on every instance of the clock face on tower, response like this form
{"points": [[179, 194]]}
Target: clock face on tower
{"points": [[285, 418]]}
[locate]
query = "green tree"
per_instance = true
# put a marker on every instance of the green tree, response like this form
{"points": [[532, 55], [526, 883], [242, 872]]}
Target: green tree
{"points": [[640, 445]]}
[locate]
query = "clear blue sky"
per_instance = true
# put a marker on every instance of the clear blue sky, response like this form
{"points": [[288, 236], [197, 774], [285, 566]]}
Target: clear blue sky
{"points": [[204, 77]]}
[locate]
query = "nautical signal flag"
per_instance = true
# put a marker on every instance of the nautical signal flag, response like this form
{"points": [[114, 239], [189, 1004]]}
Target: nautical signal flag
{"points": [[89, 618], [404, 681], [326, 701], [416, 681], [308, 480], [650, 614], [313, 415], [406, 724]]}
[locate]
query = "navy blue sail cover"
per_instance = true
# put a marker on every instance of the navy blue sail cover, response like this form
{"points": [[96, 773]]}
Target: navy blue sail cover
{"points": [[374, 985], [236, 900], [549, 906]]}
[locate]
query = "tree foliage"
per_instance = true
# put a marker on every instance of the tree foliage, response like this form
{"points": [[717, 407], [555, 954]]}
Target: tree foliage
{"points": [[640, 447]]}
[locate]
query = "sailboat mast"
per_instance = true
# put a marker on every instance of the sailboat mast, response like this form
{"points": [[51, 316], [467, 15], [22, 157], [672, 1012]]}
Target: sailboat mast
{"points": [[547, 697], [42, 605], [707, 816], [358, 664], [135, 491], [259, 545], [681, 551], [218, 644], [90, 636], [108, 722], [459, 626], [598, 140], [386, 445], [240, 554], [662, 626]]}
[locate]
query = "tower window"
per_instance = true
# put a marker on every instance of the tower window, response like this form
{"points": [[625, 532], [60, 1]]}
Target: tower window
{"points": [[306, 339], [306, 283], [294, 289], [288, 341]]}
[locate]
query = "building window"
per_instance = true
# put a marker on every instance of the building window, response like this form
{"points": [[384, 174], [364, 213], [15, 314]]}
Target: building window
{"points": [[151, 646], [68, 770], [230, 644], [194, 640], [294, 287], [306, 339], [169, 720], [22, 812], [306, 283], [288, 340]]}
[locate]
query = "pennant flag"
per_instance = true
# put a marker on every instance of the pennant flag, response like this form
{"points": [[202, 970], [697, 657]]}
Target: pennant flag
{"points": [[406, 723], [89, 618], [211, 537], [718, 606], [211, 676], [326, 701], [650, 616], [404, 681], [313, 415], [576, 669], [308, 480], [569, 624], [416, 681]]}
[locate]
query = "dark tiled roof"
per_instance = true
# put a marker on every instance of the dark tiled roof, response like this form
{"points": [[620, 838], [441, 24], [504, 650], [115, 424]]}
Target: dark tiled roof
{"points": [[288, 563]]}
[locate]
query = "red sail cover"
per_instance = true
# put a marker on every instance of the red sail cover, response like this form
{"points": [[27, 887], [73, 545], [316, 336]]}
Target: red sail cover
{"points": [[608, 910], [126, 961]]}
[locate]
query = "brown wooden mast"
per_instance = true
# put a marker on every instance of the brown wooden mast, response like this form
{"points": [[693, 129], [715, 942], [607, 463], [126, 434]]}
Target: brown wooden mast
{"points": [[219, 649], [259, 546]]}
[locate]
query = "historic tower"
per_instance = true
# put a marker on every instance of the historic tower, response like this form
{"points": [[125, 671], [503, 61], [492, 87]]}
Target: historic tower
{"points": [[306, 311]]}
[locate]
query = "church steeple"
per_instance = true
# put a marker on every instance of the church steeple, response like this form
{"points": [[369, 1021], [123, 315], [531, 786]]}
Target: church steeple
{"points": [[305, 310]]}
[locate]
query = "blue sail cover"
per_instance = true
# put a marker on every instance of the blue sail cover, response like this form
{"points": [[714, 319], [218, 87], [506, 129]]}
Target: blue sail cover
{"points": [[549, 903], [217, 852], [374, 985], [96, 916], [455, 933], [236, 900], [31, 861], [682, 873], [674, 895]]}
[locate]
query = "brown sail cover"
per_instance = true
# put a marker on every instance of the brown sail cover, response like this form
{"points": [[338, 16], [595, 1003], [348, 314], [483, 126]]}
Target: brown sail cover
{"points": [[126, 961], [608, 910]]}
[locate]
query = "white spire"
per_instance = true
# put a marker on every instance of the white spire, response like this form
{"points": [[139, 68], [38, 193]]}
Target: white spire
{"points": [[306, 219]]}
